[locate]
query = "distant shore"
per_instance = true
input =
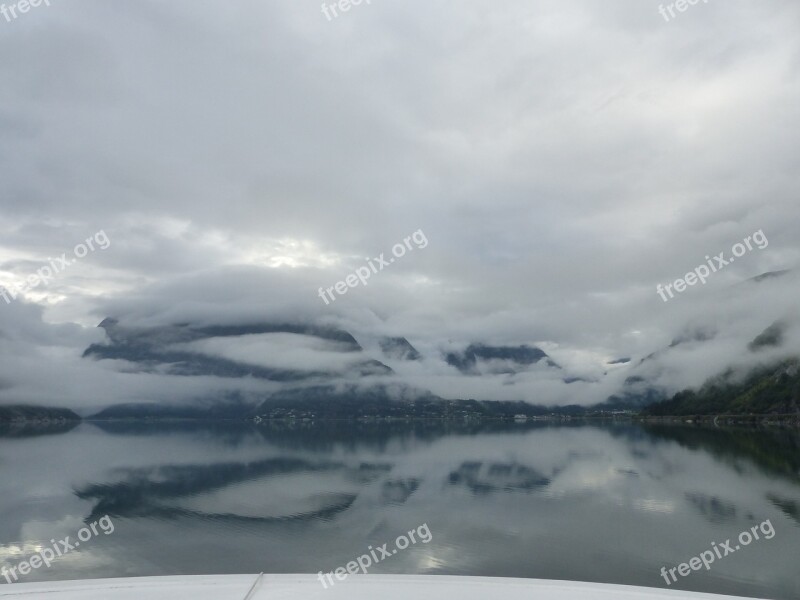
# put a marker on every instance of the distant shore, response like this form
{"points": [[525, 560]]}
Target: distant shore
{"points": [[14, 417], [766, 420]]}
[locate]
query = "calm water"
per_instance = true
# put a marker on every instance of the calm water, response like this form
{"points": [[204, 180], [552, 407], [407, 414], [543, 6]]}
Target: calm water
{"points": [[609, 503]]}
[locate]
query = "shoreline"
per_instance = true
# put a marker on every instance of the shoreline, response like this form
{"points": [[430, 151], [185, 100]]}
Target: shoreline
{"points": [[791, 420]]}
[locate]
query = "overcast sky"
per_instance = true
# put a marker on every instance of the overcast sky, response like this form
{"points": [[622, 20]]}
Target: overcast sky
{"points": [[561, 157]]}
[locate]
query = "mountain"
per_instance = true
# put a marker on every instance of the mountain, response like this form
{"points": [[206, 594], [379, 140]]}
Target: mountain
{"points": [[322, 371], [396, 401], [219, 351], [480, 359], [632, 398], [697, 335], [350, 401], [399, 348], [772, 337], [637, 390], [763, 391], [317, 367]]}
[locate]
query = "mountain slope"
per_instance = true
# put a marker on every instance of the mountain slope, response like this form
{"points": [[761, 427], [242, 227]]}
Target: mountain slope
{"points": [[765, 390]]}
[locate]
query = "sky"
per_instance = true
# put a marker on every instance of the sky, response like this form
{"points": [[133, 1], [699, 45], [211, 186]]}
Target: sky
{"points": [[562, 159]]}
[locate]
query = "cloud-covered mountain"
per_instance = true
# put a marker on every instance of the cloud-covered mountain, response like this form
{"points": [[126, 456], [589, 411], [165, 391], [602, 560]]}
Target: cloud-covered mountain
{"points": [[272, 351], [768, 390], [304, 362], [480, 358], [399, 348], [229, 356], [316, 365]]}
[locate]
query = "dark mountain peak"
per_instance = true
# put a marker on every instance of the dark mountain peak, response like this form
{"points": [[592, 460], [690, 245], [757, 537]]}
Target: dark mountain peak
{"points": [[399, 348], [699, 334], [521, 356], [772, 337], [186, 332], [620, 361]]}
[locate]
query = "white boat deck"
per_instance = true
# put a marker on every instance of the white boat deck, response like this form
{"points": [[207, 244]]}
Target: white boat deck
{"points": [[355, 587]]}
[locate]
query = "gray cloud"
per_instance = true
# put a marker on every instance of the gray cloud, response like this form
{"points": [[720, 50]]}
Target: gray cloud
{"points": [[562, 159]]}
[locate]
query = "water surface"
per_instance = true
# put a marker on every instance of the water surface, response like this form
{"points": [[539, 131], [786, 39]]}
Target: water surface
{"points": [[606, 502]]}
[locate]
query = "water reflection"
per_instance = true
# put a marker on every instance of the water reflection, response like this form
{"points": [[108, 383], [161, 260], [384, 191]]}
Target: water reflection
{"points": [[597, 502]]}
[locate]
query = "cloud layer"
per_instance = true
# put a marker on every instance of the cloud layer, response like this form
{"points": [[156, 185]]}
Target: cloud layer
{"points": [[562, 160]]}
